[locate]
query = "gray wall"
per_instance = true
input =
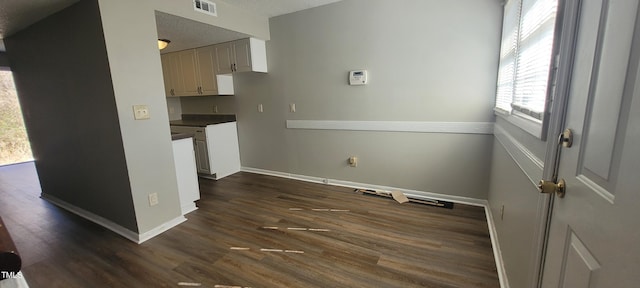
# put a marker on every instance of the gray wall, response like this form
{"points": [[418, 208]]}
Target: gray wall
{"points": [[70, 112], [510, 187], [79, 94], [513, 178], [134, 62], [432, 61]]}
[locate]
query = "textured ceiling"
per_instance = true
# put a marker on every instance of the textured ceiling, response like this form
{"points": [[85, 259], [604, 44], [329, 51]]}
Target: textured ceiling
{"points": [[16, 15], [185, 34]]}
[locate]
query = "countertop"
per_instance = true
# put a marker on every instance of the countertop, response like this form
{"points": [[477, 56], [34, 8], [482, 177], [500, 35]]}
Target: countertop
{"points": [[202, 120], [178, 136]]}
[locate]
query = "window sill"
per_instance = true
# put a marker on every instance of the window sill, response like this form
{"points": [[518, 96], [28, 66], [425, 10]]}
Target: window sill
{"points": [[525, 123]]}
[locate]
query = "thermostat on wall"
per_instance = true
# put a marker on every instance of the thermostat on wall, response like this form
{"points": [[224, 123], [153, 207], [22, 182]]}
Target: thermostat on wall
{"points": [[358, 77]]}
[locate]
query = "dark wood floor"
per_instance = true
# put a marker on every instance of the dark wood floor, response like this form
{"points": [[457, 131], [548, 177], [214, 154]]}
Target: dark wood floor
{"points": [[365, 242]]}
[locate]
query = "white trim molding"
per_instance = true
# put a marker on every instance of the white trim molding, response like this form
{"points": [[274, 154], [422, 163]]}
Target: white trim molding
{"points": [[502, 274], [530, 164], [106, 223], [160, 229], [495, 244], [485, 128]]}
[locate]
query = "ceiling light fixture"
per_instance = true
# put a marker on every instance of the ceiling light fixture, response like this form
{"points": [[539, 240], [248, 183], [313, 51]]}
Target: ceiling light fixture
{"points": [[162, 43]]}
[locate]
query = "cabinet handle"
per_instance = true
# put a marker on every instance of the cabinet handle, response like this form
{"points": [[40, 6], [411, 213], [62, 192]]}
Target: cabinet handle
{"points": [[234, 67]]}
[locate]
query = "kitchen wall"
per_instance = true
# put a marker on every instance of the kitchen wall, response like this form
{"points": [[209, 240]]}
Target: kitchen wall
{"points": [[204, 105], [89, 151], [174, 108], [431, 61], [134, 63]]}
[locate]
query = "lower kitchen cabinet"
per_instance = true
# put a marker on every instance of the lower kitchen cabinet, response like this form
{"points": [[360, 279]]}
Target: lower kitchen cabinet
{"points": [[216, 148], [184, 160], [224, 152], [202, 152]]}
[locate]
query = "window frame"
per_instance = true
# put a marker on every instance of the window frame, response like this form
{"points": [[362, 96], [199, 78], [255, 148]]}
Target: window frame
{"points": [[519, 116]]}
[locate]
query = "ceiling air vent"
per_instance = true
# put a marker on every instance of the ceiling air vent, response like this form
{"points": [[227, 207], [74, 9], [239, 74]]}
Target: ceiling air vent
{"points": [[205, 6]]}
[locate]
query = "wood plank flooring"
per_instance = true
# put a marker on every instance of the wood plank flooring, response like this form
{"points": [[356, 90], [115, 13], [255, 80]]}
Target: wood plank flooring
{"points": [[365, 241]]}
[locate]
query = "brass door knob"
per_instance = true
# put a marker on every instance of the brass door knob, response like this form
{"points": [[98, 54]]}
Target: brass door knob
{"points": [[551, 187]]}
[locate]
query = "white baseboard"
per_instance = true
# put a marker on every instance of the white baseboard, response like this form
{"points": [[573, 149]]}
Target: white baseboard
{"points": [[106, 223], [186, 209], [160, 229], [495, 244], [356, 185], [504, 283]]}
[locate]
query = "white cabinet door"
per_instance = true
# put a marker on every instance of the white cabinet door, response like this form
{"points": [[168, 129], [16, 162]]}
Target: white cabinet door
{"points": [[224, 58], [224, 152], [186, 174], [189, 73], [202, 159], [206, 70], [171, 71], [242, 55]]}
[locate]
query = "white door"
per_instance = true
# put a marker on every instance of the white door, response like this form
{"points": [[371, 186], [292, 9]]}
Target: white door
{"points": [[594, 231]]}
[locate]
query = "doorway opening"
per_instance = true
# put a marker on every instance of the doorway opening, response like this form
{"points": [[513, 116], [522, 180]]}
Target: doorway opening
{"points": [[14, 143]]}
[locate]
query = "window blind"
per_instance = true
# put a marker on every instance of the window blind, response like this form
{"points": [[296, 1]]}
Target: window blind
{"points": [[506, 70], [524, 75]]}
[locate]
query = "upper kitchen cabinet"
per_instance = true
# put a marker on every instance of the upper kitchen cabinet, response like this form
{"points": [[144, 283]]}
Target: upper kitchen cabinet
{"points": [[241, 56], [206, 68], [171, 71], [192, 72], [189, 73]]}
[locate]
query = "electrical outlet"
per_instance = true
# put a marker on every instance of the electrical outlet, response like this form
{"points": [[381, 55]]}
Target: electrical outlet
{"points": [[153, 199], [141, 112], [353, 161], [215, 109]]}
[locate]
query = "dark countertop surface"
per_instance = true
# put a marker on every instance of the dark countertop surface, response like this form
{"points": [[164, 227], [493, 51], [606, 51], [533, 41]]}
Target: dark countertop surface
{"points": [[178, 136], [202, 120]]}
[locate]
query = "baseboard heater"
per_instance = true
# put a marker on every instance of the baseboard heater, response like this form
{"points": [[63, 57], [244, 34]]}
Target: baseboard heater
{"points": [[401, 198]]}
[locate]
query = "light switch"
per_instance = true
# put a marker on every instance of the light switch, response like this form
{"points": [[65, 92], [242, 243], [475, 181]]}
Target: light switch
{"points": [[141, 112], [260, 108], [292, 108]]}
